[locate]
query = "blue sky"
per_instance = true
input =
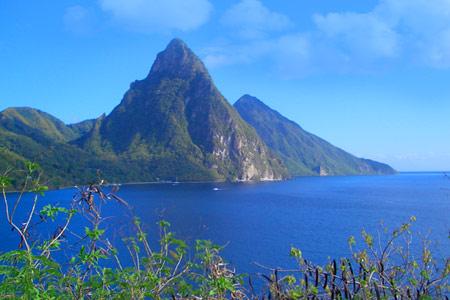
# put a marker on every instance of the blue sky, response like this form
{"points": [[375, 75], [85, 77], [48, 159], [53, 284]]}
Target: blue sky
{"points": [[371, 77]]}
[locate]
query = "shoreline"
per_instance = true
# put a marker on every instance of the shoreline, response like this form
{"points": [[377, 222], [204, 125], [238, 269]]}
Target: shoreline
{"points": [[157, 182], [237, 181]]}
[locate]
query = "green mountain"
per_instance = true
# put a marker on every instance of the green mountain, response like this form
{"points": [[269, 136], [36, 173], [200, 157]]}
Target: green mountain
{"points": [[303, 152], [175, 124]]}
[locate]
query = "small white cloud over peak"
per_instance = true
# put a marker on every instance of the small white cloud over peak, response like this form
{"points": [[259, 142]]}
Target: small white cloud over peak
{"points": [[79, 20], [152, 16], [294, 55], [252, 20], [224, 54]]}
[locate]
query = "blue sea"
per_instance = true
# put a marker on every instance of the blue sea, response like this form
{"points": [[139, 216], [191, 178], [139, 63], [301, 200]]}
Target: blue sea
{"points": [[259, 222]]}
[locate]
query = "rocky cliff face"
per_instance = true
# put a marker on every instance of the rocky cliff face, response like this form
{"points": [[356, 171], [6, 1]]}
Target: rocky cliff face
{"points": [[176, 118]]}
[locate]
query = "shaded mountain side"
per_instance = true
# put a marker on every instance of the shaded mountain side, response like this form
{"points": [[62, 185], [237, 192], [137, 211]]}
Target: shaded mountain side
{"points": [[378, 167], [81, 128], [302, 152], [176, 121]]}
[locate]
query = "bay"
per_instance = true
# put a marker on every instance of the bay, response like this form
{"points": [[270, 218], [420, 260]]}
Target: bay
{"points": [[260, 221]]}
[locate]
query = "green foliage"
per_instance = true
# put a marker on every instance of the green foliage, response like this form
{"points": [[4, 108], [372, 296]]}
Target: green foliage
{"points": [[27, 276], [51, 212]]}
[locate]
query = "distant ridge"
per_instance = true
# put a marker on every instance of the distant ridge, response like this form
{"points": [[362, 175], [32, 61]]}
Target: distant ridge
{"points": [[303, 152], [35, 124]]}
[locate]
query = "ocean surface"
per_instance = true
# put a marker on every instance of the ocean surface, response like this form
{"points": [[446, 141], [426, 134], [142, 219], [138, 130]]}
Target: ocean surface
{"points": [[259, 222]]}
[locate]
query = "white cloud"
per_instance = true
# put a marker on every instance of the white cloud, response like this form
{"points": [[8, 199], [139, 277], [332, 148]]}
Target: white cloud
{"points": [[438, 52], [159, 15], [252, 20], [224, 54], [79, 20], [418, 16], [294, 55], [291, 54], [425, 26], [360, 35], [393, 33], [415, 29]]}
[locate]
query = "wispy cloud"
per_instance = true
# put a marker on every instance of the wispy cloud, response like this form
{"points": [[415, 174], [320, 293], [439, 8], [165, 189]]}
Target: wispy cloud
{"points": [[254, 24], [416, 29], [395, 32], [250, 19], [285, 54], [358, 35], [152, 16], [228, 53], [79, 19]]}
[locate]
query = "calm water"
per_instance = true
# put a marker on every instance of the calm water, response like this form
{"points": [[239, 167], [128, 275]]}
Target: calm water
{"points": [[259, 222]]}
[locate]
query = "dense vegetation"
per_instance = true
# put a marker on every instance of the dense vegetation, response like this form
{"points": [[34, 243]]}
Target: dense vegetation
{"points": [[173, 270], [302, 152]]}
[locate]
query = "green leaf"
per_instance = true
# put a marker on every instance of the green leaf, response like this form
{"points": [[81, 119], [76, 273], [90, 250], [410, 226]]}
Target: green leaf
{"points": [[295, 253]]}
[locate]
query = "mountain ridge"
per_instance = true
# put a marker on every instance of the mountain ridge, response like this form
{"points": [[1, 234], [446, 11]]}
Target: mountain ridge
{"points": [[172, 125], [303, 153]]}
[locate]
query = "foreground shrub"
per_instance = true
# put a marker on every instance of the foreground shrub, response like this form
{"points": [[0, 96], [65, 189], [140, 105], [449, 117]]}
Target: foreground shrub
{"points": [[34, 271], [374, 272]]}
